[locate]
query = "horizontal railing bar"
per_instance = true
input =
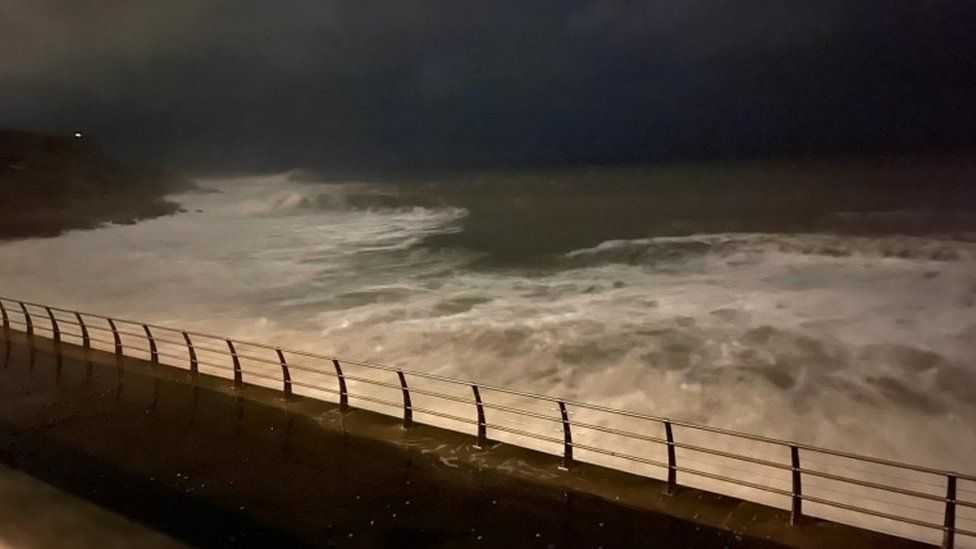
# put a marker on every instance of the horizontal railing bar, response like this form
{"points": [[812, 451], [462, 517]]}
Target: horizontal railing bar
{"points": [[362, 396], [238, 354], [131, 322], [268, 377], [373, 382], [301, 368], [316, 387], [134, 348], [583, 405], [139, 335], [523, 433], [100, 340], [214, 365], [174, 356], [966, 519], [66, 321], [134, 323], [940, 486], [773, 480], [621, 455], [873, 485], [442, 396], [158, 339], [686, 446], [520, 412], [397, 405], [330, 373], [444, 415], [739, 457], [867, 511], [807, 447], [181, 343], [412, 373], [124, 346], [715, 476], [886, 462], [101, 328], [935, 510], [215, 350], [613, 431]]}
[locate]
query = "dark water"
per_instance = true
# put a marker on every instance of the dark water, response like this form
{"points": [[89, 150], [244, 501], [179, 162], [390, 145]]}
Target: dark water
{"points": [[524, 216]]}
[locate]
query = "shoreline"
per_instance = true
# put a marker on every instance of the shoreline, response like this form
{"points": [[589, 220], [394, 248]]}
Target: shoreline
{"points": [[52, 184]]}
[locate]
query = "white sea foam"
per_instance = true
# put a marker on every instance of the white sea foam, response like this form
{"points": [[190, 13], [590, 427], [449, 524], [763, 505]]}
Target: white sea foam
{"points": [[864, 344]]}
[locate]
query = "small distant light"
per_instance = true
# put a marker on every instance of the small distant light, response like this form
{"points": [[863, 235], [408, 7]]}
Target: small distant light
{"points": [[77, 135]]}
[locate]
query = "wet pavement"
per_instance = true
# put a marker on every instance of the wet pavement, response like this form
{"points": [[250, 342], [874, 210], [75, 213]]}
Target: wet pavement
{"points": [[35, 515]]}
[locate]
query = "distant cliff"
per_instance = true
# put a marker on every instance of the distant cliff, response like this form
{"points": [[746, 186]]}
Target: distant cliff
{"points": [[50, 184]]}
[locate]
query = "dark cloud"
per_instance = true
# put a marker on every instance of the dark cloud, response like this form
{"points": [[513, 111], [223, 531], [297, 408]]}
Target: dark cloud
{"points": [[250, 84]]}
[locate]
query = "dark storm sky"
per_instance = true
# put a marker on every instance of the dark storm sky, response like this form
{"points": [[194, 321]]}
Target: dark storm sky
{"points": [[248, 84]]}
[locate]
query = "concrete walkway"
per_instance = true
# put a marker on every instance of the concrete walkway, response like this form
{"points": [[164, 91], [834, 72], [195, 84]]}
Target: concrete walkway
{"points": [[36, 515], [215, 466]]}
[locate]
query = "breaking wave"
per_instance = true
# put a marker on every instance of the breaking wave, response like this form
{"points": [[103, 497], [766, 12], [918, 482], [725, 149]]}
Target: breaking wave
{"points": [[665, 249]]}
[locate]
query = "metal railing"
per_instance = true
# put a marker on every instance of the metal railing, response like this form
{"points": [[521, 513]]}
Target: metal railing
{"points": [[809, 474]]}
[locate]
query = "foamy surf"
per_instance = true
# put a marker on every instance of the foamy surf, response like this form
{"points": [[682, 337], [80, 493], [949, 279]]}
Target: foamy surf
{"points": [[854, 342]]}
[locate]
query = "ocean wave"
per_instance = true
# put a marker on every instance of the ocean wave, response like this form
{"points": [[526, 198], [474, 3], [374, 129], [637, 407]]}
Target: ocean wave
{"points": [[276, 195], [650, 251]]}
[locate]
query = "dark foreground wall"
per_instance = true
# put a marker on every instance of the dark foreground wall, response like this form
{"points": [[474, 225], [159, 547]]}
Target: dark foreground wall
{"points": [[218, 467]]}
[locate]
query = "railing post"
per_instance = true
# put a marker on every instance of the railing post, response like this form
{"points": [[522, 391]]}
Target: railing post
{"points": [[407, 406], [343, 393], [85, 338], [194, 365], [116, 337], [949, 532], [672, 459], [55, 329], [285, 375], [6, 319], [153, 352], [27, 319], [238, 374], [482, 423], [796, 509], [567, 438]]}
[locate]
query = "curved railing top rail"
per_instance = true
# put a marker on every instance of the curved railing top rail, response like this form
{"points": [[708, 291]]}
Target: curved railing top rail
{"points": [[536, 396]]}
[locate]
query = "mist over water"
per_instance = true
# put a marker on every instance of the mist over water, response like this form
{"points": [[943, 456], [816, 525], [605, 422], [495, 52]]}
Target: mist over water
{"points": [[858, 335]]}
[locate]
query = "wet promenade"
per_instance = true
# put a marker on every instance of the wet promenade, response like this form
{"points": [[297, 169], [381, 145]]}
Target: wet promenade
{"points": [[212, 465]]}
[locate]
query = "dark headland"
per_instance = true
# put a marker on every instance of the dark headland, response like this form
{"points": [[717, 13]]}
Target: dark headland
{"points": [[53, 183]]}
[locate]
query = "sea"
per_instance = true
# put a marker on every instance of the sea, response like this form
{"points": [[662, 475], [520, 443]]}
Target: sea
{"points": [[831, 302]]}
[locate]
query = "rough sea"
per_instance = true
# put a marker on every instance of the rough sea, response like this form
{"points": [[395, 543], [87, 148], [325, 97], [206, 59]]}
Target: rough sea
{"points": [[832, 303]]}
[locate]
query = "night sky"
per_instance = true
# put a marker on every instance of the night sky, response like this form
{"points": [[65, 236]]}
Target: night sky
{"points": [[254, 85]]}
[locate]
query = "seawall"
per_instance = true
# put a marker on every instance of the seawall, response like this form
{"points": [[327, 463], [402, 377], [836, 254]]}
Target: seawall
{"points": [[212, 464]]}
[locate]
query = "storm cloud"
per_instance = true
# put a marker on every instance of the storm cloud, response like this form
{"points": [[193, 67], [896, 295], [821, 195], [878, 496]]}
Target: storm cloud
{"points": [[250, 84]]}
